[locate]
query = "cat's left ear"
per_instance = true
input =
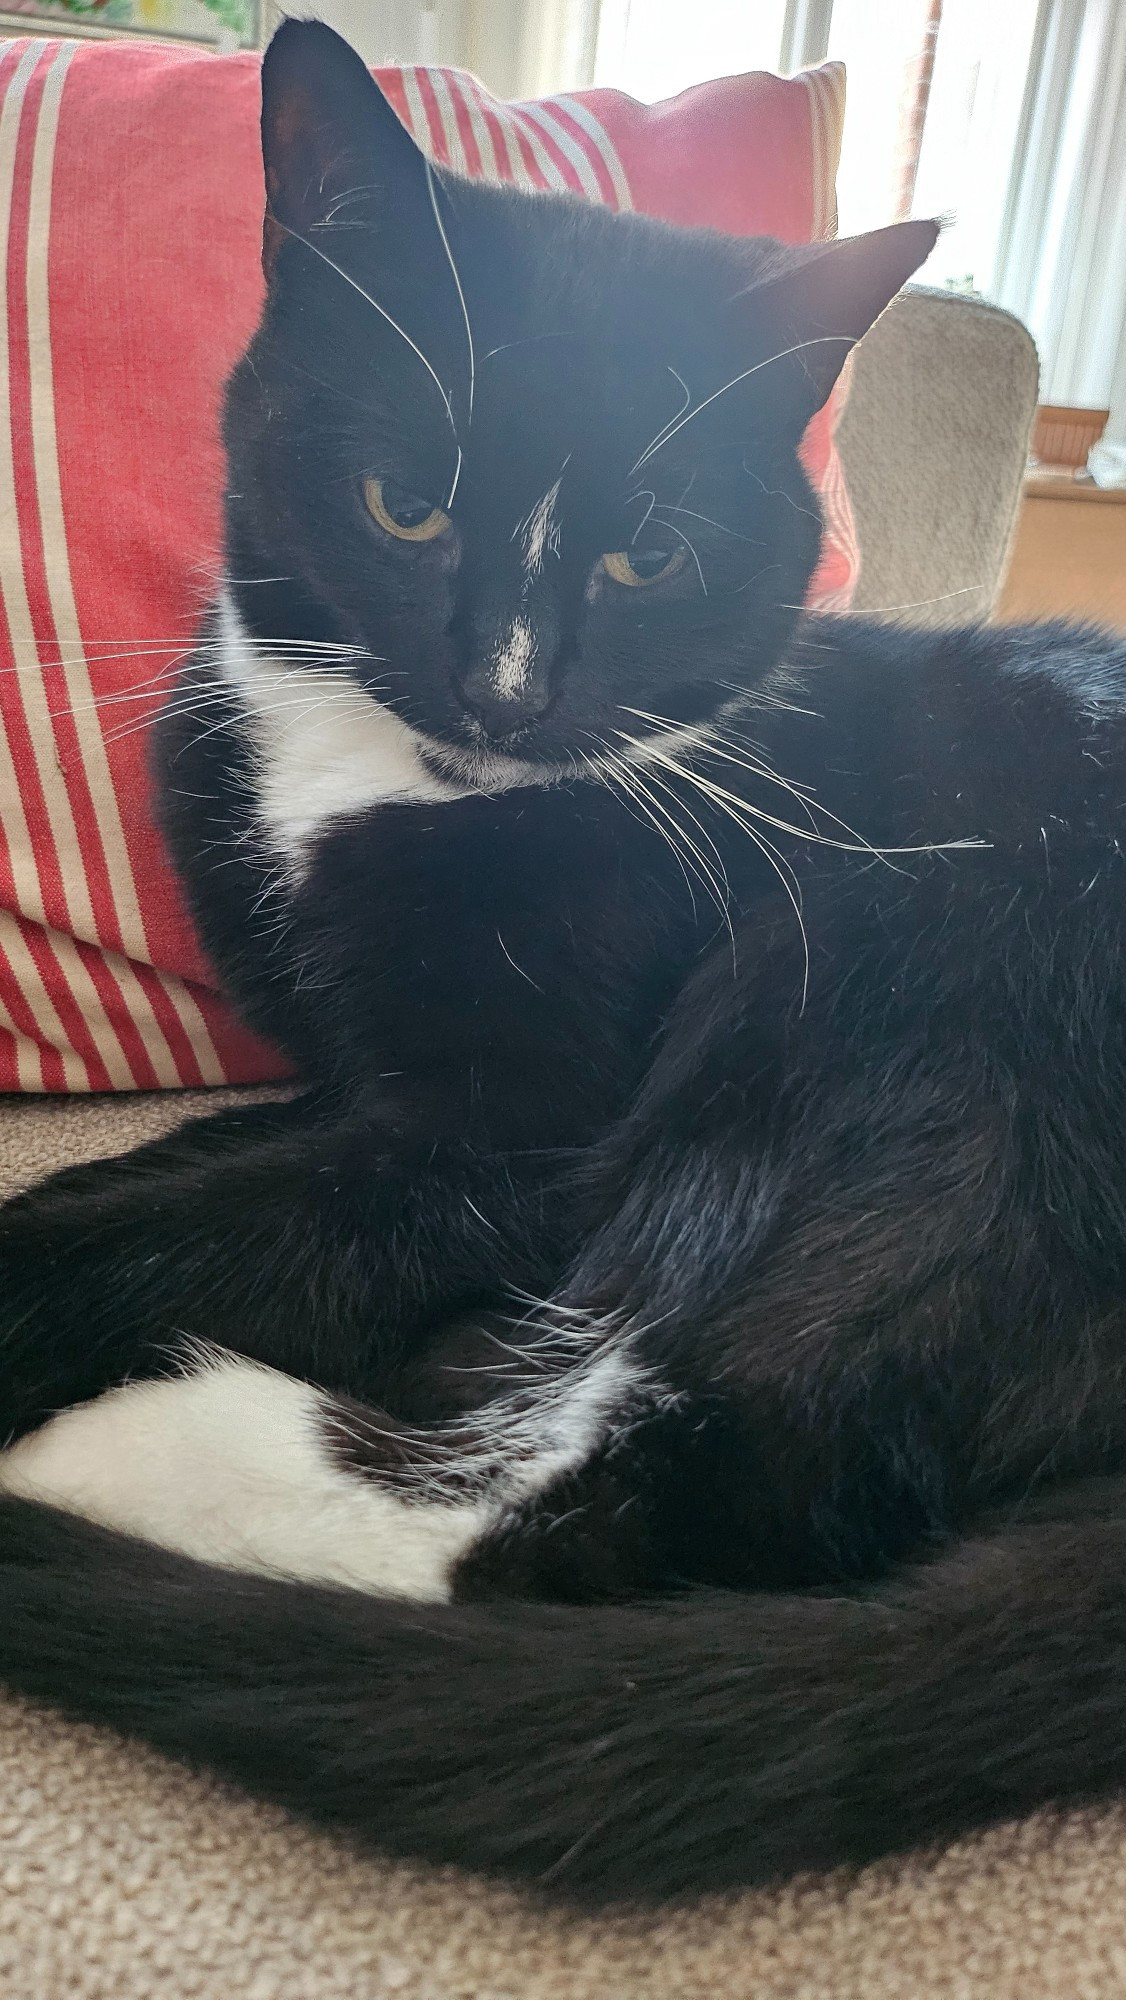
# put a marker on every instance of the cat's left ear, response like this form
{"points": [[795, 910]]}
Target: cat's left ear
{"points": [[811, 305], [333, 151]]}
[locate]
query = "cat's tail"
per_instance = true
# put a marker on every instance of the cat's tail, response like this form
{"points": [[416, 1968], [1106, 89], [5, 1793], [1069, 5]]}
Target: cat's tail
{"points": [[616, 1750]]}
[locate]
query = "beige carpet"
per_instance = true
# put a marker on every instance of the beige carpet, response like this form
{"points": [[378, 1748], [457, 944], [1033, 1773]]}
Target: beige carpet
{"points": [[125, 1878]]}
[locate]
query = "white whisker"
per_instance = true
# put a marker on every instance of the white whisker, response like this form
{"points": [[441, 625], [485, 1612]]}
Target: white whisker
{"points": [[644, 494], [666, 430], [432, 190], [728, 803], [612, 772], [921, 603], [779, 493], [799, 347], [383, 314], [526, 340], [196, 703], [721, 892], [608, 765], [793, 891], [691, 512], [855, 844], [701, 866], [761, 697]]}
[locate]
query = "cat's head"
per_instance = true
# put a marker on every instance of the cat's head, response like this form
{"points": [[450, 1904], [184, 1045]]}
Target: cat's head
{"points": [[535, 459]]}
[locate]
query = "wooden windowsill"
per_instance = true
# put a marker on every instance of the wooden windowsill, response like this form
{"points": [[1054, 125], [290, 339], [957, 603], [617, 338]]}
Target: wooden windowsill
{"points": [[1055, 486], [1068, 556]]}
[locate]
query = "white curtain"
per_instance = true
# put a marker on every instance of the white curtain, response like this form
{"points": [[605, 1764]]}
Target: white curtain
{"points": [[520, 48], [1062, 261], [529, 48], [1026, 143]]}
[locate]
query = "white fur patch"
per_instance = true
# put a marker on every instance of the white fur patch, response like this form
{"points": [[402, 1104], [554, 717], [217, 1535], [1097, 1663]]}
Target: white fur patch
{"points": [[571, 1421], [324, 748], [514, 659], [229, 1465], [540, 532]]}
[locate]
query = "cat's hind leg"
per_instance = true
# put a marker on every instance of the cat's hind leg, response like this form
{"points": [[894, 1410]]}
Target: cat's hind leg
{"points": [[314, 1246], [235, 1463]]}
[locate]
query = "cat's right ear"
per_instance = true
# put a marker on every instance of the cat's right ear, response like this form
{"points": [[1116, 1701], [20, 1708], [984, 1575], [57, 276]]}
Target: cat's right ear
{"points": [[811, 304], [332, 147]]}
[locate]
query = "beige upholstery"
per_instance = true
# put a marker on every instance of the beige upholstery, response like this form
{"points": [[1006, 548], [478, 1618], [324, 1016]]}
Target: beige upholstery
{"points": [[933, 440], [124, 1878]]}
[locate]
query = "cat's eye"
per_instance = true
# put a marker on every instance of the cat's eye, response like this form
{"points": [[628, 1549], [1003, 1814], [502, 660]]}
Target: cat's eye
{"points": [[643, 565], [402, 512]]}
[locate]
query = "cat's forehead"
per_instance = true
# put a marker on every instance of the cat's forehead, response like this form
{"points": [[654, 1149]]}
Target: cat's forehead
{"points": [[549, 413], [554, 456], [525, 359], [572, 295], [588, 340]]}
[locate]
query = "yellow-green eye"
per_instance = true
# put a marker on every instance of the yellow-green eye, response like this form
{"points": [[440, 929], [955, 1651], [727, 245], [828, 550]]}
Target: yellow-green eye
{"points": [[402, 513], [638, 567]]}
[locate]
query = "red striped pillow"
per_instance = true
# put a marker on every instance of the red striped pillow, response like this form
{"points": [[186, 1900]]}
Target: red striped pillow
{"points": [[130, 215]]}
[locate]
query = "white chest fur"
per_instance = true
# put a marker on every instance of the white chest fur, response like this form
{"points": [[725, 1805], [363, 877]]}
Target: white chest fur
{"points": [[324, 749]]}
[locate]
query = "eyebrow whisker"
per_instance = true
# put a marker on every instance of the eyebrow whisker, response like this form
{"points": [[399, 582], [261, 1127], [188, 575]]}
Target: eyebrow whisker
{"points": [[799, 347], [723, 528], [432, 190], [392, 323]]}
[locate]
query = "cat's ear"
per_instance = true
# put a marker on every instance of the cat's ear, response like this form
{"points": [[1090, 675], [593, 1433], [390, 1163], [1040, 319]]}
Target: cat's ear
{"points": [[332, 147], [810, 306]]}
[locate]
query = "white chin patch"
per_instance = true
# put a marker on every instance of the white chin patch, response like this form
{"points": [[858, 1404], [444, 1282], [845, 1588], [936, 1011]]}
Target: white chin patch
{"points": [[325, 750], [230, 1464]]}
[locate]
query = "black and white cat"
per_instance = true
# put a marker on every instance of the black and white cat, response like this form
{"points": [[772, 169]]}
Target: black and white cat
{"points": [[631, 1420]]}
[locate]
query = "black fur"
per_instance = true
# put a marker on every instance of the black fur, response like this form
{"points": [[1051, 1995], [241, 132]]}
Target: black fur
{"points": [[624, 1750], [820, 1116]]}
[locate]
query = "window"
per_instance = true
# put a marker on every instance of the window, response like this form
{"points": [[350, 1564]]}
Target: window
{"points": [[1004, 117], [654, 48]]}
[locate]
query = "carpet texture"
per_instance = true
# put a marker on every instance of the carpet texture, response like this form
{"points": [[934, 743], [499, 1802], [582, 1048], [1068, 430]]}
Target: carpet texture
{"points": [[123, 1877]]}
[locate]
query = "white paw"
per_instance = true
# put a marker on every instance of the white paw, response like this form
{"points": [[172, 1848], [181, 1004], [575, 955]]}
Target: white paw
{"points": [[229, 1463]]}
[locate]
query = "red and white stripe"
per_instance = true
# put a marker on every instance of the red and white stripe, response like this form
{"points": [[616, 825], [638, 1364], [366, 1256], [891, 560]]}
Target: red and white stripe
{"points": [[556, 143], [826, 89], [83, 1006], [840, 525]]}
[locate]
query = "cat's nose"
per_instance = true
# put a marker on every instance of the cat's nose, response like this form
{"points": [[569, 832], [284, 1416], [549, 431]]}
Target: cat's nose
{"points": [[508, 684]]}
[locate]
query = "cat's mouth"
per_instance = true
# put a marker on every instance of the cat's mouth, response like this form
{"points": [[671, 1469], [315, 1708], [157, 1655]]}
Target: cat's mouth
{"points": [[489, 757], [483, 764], [503, 741]]}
